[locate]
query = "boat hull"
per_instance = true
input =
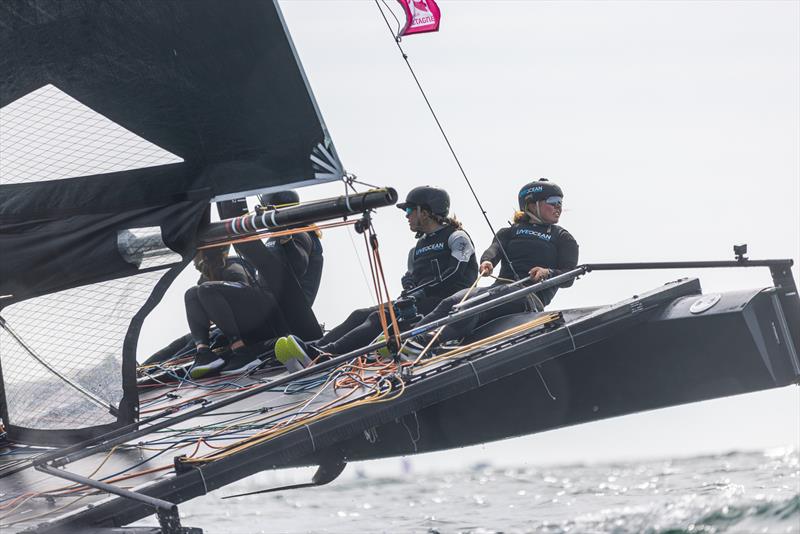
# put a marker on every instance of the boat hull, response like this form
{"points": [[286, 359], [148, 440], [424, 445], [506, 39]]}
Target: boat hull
{"points": [[663, 348], [740, 345]]}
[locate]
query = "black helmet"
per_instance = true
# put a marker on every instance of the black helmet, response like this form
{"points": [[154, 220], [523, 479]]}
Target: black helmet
{"points": [[433, 199], [278, 198], [539, 190]]}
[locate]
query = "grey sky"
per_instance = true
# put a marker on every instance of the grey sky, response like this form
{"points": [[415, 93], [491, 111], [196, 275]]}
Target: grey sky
{"points": [[673, 127]]}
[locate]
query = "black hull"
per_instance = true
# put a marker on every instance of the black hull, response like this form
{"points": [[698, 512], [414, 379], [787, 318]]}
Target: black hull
{"points": [[673, 358], [643, 353]]}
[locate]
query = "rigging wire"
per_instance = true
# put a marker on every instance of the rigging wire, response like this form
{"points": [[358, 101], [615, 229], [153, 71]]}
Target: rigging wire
{"points": [[349, 180], [396, 38]]}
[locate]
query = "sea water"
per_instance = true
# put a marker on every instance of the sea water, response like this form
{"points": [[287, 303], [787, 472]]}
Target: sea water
{"points": [[741, 492]]}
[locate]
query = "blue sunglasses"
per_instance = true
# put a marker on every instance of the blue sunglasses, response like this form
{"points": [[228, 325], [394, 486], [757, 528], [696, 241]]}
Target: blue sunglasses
{"points": [[410, 210], [554, 201]]}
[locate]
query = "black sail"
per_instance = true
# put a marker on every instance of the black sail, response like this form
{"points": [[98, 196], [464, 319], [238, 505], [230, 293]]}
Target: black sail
{"points": [[216, 83], [120, 121]]}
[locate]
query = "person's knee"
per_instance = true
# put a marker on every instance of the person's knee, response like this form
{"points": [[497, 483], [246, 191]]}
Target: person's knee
{"points": [[207, 291], [361, 314], [191, 294], [456, 297]]}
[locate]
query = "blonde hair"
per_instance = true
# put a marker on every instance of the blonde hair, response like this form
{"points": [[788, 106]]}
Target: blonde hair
{"points": [[520, 217], [315, 230]]}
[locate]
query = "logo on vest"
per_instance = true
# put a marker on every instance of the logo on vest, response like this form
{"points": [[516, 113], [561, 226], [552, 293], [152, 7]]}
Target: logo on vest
{"points": [[534, 233], [429, 248]]}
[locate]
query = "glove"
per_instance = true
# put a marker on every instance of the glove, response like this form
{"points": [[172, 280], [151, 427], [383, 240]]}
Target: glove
{"points": [[407, 281]]}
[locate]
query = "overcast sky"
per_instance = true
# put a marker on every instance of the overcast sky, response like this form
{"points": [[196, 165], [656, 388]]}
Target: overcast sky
{"points": [[673, 128]]}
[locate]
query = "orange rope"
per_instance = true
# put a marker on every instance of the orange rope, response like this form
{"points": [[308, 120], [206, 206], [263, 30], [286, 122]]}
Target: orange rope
{"points": [[377, 287], [395, 326], [291, 231]]}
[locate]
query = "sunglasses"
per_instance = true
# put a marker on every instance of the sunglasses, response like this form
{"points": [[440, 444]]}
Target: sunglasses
{"points": [[410, 210], [554, 201]]}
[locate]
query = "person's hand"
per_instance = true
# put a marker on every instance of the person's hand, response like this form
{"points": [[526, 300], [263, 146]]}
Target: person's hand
{"points": [[407, 282], [486, 268], [538, 274]]}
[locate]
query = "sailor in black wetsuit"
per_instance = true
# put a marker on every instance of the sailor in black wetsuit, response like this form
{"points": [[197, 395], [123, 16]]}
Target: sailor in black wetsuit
{"points": [[227, 296], [442, 263], [301, 252], [536, 247], [289, 273]]}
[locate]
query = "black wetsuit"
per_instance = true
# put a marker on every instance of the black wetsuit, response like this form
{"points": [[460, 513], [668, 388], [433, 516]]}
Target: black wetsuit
{"points": [[289, 268], [240, 310], [279, 259], [528, 245], [447, 251]]}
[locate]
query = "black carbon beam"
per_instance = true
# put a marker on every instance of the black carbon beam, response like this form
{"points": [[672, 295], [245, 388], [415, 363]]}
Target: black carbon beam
{"points": [[305, 213], [167, 512]]}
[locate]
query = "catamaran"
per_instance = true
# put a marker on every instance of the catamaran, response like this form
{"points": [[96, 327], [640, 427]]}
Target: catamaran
{"points": [[94, 442]]}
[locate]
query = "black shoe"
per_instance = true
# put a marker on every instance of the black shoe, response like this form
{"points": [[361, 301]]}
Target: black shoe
{"points": [[205, 363], [242, 362]]}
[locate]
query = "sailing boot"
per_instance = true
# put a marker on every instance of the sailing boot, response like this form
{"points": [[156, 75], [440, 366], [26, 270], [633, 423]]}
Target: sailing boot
{"points": [[245, 359], [205, 363], [292, 352]]}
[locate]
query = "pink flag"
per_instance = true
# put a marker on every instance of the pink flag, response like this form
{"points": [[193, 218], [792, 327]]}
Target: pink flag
{"points": [[421, 16]]}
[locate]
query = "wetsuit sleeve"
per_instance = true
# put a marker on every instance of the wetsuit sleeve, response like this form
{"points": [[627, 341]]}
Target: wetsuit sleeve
{"points": [[461, 252], [495, 252], [407, 281], [460, 246], [298, 251], [567, 255]]}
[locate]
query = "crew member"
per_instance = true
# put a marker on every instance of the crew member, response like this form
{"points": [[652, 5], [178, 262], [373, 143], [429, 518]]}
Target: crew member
{"points": [[289, 272], [225, 295], [301, 252], [535, 246], [442, 263]]}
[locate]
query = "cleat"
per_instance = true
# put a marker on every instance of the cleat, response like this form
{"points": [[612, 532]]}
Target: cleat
{"points": [[205, 363], [411, 348]]}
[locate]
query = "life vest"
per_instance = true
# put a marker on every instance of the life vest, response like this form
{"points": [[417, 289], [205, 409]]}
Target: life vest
{"points": [[529, 245], [433, 249]]}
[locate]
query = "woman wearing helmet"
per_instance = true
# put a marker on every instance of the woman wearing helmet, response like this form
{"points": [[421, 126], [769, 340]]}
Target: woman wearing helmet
{"points": [[534, 246], [442, 263]]}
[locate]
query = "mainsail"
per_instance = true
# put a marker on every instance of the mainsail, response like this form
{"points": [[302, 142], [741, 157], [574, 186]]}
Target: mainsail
{"points": [[119, 123]]}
